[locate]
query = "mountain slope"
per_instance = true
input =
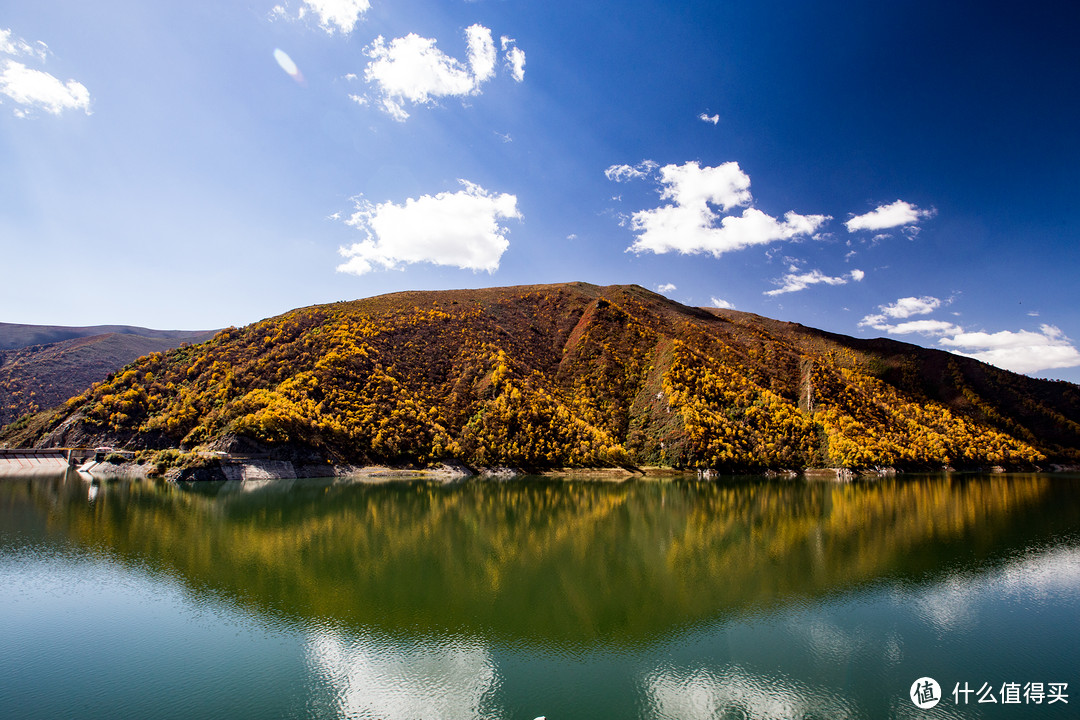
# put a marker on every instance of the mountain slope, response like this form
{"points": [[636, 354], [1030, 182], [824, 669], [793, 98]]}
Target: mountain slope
{"points": [[43, 376], [570, 374], [16, 335]]}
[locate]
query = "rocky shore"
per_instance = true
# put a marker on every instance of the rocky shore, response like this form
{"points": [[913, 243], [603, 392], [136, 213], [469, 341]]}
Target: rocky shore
{"points": [[257, 469]]}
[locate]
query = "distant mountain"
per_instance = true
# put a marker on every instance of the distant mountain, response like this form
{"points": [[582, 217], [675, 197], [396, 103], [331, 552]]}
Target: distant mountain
{"points": [[14, 335], [569, 375], [42, 376]]}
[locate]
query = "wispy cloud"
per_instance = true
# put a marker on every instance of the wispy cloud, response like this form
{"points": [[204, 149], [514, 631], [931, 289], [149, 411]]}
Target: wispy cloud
{"points": [[16, 46], [36, 89], [626, 173], [411, 70], [665, 288], [927, 327], [902, 308], [461, 229], [333, 15], [883, 217], [1021, 351], [515, 58], [714, 119], [907, 307], [795, 281], [722, 304]]}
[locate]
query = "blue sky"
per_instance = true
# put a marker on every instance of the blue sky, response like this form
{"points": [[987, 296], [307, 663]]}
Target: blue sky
{"points": [[909, 170]]}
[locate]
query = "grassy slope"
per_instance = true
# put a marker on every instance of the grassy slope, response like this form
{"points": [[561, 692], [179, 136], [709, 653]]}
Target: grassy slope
{"points": [[570, 375]]}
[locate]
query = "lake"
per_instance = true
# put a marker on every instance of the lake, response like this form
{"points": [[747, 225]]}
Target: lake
{"points": [[741, 598]]}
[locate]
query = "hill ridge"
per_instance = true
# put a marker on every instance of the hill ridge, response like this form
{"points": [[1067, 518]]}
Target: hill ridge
{"points": [[18, 335], [571, 374], [43, 375]]}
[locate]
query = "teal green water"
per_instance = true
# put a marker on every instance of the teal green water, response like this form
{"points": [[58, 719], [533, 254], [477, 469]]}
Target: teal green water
{"points": [[749, 598]]}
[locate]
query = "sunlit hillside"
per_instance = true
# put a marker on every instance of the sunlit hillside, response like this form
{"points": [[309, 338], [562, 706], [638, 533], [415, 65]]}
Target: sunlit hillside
{"points": [[568, 375], [38, 375]]}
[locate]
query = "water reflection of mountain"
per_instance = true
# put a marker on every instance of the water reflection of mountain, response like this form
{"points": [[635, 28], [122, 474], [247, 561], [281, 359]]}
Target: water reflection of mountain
{"points": [[541, 561]]}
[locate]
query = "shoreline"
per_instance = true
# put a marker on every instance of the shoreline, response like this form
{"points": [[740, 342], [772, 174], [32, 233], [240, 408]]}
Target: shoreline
{"points": [[448, 473]]}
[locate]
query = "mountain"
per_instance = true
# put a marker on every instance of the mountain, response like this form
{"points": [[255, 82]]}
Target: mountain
{"points": [[15, 335], [569, 375], [44, 375]]}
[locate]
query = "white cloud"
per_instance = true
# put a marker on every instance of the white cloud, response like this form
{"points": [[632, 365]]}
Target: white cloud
{"points": [[515, 58], [722, 304], [412, 70], [665, 288], [922, 327], [857, 275], [691, 185], [10, 45], [925, 327], [896, 214], [714, 119], [626, 173], [794, 282], [460, 229], [337, 14], [907, 306], [1022, 351], [481, 53], [691, 225], [691, 230], [38, 89]]}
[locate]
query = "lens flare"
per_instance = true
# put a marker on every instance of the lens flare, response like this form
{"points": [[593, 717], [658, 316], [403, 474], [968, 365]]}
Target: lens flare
{"points": [[286, 63]]}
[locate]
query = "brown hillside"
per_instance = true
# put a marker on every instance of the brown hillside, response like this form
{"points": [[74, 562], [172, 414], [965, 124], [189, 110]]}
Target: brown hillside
{"points": [[43, 376], [16, 335], [570, 374]]}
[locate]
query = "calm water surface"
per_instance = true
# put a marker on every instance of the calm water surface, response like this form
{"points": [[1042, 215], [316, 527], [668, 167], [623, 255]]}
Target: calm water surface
{"points": [[748, 598]]}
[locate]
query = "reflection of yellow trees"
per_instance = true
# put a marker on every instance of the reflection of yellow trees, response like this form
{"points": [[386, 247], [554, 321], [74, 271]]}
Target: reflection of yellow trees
{"points": [[847, 531], [577, 561]]}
